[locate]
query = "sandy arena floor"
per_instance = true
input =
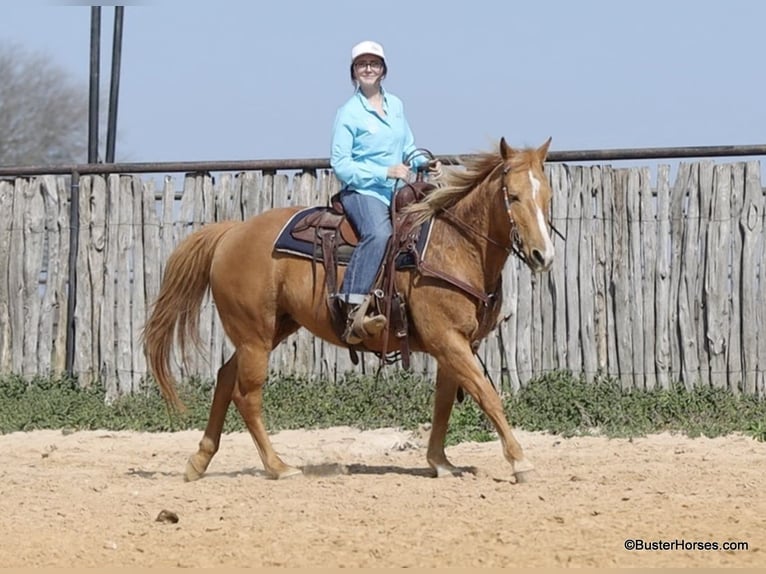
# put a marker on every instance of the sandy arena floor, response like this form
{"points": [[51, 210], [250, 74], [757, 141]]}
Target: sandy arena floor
{"points": [[366, 499]]}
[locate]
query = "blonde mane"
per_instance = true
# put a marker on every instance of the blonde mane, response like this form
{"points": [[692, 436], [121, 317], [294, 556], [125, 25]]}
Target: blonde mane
{"points": [[457, 183]]}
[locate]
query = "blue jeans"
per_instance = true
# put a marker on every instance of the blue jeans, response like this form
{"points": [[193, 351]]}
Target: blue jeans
{"points": [[372, 221]]}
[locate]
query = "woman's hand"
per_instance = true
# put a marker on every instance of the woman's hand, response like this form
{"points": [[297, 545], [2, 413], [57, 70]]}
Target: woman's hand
{"points": [[399, 171], [435, 169]]}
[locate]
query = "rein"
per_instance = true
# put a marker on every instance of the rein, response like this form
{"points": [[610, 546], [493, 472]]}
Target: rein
{"points": [[514, 246], [485, 298], [515, 239]]}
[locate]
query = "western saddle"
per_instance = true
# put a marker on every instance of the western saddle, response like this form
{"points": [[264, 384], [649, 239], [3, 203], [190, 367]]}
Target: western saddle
{"points": [[331, 230]]}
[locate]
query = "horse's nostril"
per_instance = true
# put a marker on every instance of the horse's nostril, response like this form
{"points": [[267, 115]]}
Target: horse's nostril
{"points": [[537, 257]]}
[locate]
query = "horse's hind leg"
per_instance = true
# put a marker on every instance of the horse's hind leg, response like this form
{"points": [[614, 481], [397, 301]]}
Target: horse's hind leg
{"points": [[444, 398], [208, 446], [252, 368]]}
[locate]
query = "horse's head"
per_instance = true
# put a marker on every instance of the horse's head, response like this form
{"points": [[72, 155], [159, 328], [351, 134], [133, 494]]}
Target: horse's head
{"points": [[527, 196]]}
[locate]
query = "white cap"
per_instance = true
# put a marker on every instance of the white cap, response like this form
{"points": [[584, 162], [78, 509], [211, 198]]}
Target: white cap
{"points": [[367, 47]]}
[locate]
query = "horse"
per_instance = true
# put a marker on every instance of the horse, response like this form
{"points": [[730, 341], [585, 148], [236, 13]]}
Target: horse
{"points": [[495, 204]]}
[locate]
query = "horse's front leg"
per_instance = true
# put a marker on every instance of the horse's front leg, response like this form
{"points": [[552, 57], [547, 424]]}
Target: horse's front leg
{"points": [[459, 362]]}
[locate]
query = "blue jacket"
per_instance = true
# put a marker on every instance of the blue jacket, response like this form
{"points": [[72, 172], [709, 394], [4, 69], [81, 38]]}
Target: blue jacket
{"points": [[365, 145]]}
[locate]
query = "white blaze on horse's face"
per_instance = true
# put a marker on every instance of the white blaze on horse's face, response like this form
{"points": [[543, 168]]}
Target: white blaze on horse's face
{"points": [[548, 251]]}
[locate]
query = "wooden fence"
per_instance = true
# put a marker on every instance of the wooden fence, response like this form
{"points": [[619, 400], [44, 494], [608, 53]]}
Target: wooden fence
{"points": [[657, 281]]}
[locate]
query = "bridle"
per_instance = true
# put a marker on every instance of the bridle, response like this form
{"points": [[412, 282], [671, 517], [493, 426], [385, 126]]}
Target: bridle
{"points": [[515, 246], [516, 242]]}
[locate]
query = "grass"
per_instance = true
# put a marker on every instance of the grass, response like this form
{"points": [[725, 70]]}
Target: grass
{"points": [[558, 403]]}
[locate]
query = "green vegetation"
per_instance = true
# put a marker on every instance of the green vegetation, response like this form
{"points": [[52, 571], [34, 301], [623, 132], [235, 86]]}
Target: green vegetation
{"points": [[558, 403], [563, 404]]}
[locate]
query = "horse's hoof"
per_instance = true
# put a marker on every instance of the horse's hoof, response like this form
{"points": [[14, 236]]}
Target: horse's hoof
{"points": [[523, 470], [524, 476], [286, 472], [445, 471], [191, 474]]}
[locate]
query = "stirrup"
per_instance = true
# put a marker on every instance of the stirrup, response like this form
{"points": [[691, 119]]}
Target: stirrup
{"points": [[361, 326]]}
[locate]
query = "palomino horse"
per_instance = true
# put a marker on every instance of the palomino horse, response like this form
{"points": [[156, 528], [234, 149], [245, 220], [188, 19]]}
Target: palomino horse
{"points": [[498, 205]]}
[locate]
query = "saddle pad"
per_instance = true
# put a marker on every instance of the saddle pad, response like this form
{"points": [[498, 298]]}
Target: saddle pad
{"points": [[286, 243]]}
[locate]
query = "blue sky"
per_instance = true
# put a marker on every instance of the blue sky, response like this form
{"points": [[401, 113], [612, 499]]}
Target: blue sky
{"points": [[262, 80]]}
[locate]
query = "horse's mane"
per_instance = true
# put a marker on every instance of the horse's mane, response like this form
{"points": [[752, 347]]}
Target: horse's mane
{"points": [[457, 183]]}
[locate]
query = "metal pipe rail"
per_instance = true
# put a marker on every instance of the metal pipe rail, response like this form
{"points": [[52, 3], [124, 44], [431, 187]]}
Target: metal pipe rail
{"points": [[324, 163]]}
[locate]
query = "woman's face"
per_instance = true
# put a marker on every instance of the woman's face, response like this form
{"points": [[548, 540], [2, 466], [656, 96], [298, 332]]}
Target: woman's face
{"points": [[368, 69]]}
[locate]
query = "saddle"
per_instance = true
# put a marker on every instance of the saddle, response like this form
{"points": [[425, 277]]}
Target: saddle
{"points": [[334, 237], [333, 219]]}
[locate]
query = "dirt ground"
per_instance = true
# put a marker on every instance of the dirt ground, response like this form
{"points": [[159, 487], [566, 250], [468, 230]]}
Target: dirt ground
{"points": [[367, 499]]}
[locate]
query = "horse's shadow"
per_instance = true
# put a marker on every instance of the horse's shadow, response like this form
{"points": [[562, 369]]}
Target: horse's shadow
{"points": [[380, 470], [316, 470]]}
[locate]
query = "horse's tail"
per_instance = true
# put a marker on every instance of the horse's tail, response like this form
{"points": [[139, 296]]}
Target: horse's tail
{"points": [[176, 309]]}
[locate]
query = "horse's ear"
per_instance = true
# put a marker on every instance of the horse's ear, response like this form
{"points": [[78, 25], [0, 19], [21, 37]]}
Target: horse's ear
{"points": [[542, 151], [506, 151]]}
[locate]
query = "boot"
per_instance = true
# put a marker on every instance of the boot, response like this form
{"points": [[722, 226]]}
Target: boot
{"points": [[361, 326]]}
